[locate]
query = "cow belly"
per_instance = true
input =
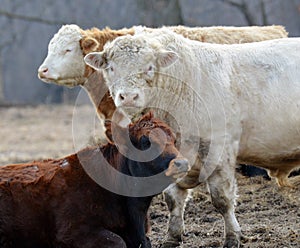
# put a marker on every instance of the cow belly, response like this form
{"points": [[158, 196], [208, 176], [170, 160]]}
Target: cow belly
{"points": [[271, 130], [271, 151]]}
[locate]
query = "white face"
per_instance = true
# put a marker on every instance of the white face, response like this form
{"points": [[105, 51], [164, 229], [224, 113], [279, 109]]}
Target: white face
{"points": [[64, 64], [128, 82], [130, 67]]}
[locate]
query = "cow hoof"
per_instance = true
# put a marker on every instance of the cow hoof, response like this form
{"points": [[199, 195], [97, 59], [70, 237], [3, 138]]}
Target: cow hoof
{"points": [[231, 243]]}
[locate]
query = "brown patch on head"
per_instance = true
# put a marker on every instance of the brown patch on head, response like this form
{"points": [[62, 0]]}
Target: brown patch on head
{"points": [[147, 123], [152, 127], [88, 44], [158, 132], [94, 40]]}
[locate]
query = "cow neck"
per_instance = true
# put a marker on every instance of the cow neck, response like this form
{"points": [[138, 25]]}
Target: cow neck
{"points": [[98, 92], [95, 84]]}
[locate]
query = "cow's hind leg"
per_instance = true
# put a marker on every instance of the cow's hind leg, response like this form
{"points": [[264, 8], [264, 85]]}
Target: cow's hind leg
{"points": [[222, 187], [176, 200]]}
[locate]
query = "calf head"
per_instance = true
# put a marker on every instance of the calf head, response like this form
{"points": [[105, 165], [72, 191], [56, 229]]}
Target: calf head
{"points": [[156, 142], [64, 64], [130, 66]]}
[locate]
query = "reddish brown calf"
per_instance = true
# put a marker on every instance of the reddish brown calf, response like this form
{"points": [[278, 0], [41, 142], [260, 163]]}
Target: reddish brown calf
{"points": [[54, 203]]}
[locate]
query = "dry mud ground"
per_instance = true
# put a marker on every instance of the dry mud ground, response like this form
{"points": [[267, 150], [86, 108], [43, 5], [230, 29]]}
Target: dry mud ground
{"points": [[269, 216]]}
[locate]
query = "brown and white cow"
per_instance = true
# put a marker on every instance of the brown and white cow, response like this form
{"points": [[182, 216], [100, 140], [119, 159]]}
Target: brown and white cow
{"points": [[55, 203], [64, 64], [233, 103]]}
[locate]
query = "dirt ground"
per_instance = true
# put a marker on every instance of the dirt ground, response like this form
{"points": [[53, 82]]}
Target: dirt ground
{"points": [[269, 216]]}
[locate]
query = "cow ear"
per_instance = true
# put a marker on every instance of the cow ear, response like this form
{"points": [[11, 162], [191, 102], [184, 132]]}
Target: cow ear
{"points": [[119, 134], [108, 132], [89, 44], [96, 60], [166, 58], [113, 130]]}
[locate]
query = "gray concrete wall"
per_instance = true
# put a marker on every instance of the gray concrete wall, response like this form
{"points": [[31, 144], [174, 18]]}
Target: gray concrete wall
{"points": [[23, 41]]}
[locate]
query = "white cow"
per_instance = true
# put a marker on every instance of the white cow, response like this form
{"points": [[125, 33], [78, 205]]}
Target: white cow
{"points": [[244, 99], [64, 64]]}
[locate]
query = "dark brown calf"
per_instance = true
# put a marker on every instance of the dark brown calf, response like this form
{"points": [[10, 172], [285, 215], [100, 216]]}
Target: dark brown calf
{"points": [[54, 203]]}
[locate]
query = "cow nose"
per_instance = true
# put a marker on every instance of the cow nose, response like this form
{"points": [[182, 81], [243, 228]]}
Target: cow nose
{"points": [[43, 72], [182, 164], [178, 167], [128, 98]]}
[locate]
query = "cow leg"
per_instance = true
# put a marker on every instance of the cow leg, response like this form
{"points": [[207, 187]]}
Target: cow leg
{"points": [[222, 187], [175, 198], [281, 176]]}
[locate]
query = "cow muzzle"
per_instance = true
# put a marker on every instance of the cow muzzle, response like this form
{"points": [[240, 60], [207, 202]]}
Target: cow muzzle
{"points": [[178, 168], [128, 99]]}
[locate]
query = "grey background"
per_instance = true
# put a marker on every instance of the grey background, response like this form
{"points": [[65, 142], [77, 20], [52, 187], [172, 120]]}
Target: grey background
{"points": [[27, 26]]}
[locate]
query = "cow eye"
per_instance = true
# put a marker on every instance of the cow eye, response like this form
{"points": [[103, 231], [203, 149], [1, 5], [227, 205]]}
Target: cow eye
{"points": [[109, 68], [68, 50], [149, 71], [145, 142]]}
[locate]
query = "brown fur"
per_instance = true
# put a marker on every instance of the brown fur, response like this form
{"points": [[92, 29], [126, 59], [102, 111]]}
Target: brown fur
{"points": [[93, 40], [54, 203]]}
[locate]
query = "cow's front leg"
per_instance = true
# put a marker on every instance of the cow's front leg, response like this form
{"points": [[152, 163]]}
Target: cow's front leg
{"points": [[175, 198], [222, 187]]}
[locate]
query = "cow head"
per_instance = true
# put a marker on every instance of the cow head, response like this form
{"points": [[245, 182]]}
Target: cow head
{"points": [[64, 64], [130, 65], [149, 135]]}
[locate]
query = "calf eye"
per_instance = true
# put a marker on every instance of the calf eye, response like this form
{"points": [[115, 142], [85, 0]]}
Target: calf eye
{"points": [[68, 50], [111, 69], [145, 142]]}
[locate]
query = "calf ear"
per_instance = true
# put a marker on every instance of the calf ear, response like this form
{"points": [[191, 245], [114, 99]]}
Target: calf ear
{"points": [[95, 60], [89, 44], [166, 58], [120, 137], [115, 134], [108, 132]]}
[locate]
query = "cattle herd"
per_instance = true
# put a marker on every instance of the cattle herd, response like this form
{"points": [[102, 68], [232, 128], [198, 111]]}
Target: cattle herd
{"points": [[180, 106]]}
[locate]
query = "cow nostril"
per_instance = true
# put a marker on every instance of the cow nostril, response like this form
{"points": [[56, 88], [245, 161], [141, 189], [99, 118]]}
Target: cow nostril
{"points": [[121, 97], [181, 162], [135, 97], [43, 72]]}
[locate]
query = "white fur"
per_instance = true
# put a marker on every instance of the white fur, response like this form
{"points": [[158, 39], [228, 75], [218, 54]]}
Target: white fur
{"points": [[67, 68], [258, 83], [245, 98], [64, 61]]}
